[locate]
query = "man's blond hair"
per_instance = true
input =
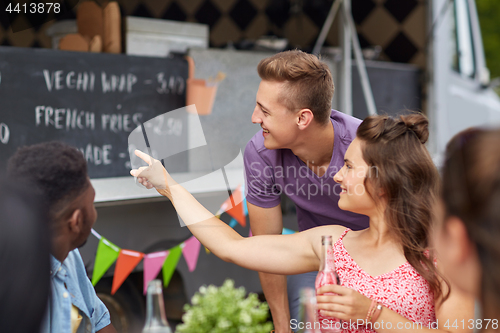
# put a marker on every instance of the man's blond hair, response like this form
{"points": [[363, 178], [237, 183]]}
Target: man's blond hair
{"points": [[309, 83]]}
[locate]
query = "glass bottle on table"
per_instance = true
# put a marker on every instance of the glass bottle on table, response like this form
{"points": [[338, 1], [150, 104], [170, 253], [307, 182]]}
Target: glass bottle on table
{"points": [[156, 321], [327, 276], [308, 312]]}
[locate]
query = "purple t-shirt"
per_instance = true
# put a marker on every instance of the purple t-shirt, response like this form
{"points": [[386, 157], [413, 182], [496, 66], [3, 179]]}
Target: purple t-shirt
{"points": [[269, 173]]}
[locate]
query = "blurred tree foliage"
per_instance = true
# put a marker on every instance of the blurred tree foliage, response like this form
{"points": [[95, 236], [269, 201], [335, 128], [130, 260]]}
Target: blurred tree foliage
{"points": [[489, 17]]}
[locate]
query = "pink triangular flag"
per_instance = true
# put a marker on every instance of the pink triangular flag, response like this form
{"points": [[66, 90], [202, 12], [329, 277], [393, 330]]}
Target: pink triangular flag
{"points": [[152, 266], [191, 251]]}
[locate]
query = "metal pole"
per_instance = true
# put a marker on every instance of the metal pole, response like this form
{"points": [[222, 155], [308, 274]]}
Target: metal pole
{"points": [[346, 66], [326, 26], [363, 75]]}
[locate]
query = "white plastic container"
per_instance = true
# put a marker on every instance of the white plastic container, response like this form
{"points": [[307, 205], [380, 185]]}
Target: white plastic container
{"points": [[156, 37], [147, 36]]}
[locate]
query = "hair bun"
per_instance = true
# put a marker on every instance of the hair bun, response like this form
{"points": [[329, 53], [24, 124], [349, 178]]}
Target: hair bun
{"points": [[386, 128], [418, 124]]}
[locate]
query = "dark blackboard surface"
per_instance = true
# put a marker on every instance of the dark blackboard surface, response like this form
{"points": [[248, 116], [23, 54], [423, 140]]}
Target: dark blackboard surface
{"points": [[91, 101]]}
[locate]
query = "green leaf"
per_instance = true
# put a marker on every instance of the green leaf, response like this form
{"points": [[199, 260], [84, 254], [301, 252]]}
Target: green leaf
{"points": [[225, 309]]}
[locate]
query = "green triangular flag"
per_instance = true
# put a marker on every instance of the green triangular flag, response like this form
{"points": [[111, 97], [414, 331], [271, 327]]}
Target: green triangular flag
{"points": [[106, 255], [168, 268]]}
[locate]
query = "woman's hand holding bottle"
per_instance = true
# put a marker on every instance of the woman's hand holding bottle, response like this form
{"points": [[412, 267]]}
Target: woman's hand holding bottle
{"points": [[342, 302]]}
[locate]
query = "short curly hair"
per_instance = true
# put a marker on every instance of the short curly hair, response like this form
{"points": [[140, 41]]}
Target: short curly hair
{"points": [[57, 170]]}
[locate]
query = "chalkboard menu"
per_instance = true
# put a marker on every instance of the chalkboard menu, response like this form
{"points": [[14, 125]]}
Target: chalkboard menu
{"points": [[91, 101]]}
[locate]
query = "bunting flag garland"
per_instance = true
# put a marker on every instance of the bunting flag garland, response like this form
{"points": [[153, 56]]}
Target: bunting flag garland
{"points": [[287, 231], [127, 260], [245, 207], [153, 263], [238, 212], [235, 211], [170, 263], [95, 233], [191, 251], [234, 206], [106, 255], [233, 223]]}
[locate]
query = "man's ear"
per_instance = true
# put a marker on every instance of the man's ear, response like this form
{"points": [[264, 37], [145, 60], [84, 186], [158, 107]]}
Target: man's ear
{"points": [[305, 118], [75, 221], [460, 247]]}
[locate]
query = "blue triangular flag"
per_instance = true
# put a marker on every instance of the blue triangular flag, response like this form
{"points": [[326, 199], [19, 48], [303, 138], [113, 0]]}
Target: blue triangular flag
{"points": [[233, 223]]}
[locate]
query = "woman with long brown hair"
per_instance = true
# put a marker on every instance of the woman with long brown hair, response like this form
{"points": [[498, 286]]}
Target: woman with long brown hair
{"points": [[467, 239], [388, 274]]}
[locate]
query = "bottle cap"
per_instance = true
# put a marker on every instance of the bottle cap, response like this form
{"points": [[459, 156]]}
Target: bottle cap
{"points": [[155, 287], [307, 295], [326, 240]]}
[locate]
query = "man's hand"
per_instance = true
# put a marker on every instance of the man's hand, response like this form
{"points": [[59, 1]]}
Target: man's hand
{"points": [[153, 175]]}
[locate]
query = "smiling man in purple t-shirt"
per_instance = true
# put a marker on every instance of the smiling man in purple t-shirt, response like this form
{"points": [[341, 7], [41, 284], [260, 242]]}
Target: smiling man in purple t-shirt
{"points": [[298, 151]]}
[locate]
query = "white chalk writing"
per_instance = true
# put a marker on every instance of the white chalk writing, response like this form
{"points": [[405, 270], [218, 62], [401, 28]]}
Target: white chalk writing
{"points": [[171, 85], [62, 118], [97, 155], [115, 83], [58, 80], [120, 122]]}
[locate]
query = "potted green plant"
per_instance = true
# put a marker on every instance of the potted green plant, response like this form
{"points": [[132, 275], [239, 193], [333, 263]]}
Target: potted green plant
{"points": [[225, 310]]}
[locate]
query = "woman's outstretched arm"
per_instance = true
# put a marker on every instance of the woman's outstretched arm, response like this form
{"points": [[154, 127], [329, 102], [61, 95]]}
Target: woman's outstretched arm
{"points": [[279, 254]]}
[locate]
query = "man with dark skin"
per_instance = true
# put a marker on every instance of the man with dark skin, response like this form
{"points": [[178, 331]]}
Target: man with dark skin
{"points": [[59, 173]]}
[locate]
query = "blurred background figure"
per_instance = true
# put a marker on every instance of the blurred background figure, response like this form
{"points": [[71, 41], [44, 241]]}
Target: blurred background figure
{"points": [[59, 172], [468, 239], [24, 259]]}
